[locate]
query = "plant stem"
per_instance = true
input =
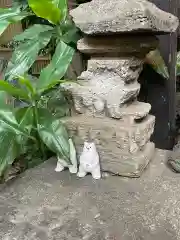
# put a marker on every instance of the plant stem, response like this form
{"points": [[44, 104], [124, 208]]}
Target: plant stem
{"points": [[41, 145]]}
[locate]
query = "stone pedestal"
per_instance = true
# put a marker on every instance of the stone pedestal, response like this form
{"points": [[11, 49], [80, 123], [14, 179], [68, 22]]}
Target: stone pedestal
{"points": [[124, 149], [106, 108], [105, 99]]}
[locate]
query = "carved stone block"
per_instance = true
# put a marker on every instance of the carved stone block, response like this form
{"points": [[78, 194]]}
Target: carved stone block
{"points": [[106, 86], [120, 145]]}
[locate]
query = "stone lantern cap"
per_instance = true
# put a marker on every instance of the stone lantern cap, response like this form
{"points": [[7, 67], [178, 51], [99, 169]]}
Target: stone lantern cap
{"points": [[102, 17]]}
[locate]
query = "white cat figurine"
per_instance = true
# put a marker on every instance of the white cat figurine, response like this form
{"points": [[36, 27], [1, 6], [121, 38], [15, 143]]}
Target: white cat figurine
{"points": [[89, 161], [61, 164]]}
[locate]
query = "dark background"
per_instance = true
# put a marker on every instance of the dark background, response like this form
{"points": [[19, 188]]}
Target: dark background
{"points": [[161, 93]]}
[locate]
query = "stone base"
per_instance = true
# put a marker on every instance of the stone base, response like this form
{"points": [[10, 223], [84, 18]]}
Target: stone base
{"points": [[113, 139], [123, 164], [128, 165]]}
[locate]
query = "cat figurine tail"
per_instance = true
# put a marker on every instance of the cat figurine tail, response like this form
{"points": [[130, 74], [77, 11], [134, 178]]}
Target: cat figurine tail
{"points": [[62, 164], [89, 161]]}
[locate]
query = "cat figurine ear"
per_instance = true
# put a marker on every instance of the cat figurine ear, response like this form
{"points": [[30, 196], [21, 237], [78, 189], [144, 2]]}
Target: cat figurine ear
{"points": [[89, 161], [61, 163]]}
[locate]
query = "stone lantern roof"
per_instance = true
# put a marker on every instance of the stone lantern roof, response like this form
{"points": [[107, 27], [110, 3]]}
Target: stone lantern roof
{"points": [[102, 17]]}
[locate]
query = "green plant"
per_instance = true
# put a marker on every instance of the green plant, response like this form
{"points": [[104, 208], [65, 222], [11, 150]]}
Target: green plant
{"points": [[156, 61], [57, 31], [29, 126]]}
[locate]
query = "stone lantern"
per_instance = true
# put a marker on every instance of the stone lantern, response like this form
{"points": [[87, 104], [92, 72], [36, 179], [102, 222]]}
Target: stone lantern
{"points": [[117, 36]]}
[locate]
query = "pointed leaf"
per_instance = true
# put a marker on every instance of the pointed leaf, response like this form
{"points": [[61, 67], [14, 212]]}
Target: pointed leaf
{"points": [[46, 9], [25, 55], [29, 33], [53, 134], [156, 61], [57, 67]]}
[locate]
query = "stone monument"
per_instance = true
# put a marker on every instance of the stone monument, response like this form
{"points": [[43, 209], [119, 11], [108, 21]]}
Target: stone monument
{"points": [[117, 36]]}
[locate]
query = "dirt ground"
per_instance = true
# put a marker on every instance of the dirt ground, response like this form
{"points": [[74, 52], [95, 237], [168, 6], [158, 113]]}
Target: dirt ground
{"points": [[44, 205]]}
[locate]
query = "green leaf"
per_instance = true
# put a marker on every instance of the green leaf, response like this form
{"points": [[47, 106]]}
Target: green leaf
{"points": [[57, 68], [46, 9], [9, 149], [13, 14], [62, 5], [3, 99], [33, 31], [26, 54], [12, 90], [53, 134], [26, 82], [71, 36], [20, 132], [8, 121], [155, 60], [6, 101], [68, 32], [23, 4], [9, 124], [10, 15], [25, 118]]}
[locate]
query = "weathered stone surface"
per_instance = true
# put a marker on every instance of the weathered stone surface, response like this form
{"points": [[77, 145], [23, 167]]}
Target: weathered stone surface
{"points": [[128, 165], [117, 16], [44, 205], [111, 134], [123, 147], [126, 69], [105, 97], [106, 86], [135, 111], [118, 45]]}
